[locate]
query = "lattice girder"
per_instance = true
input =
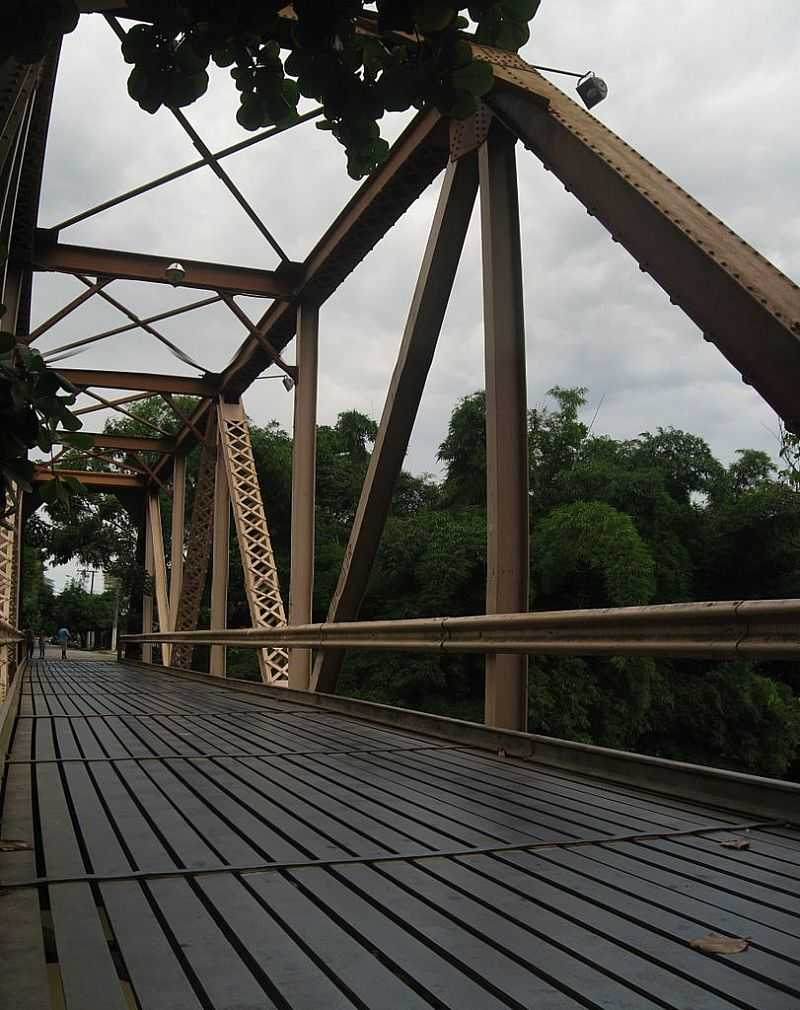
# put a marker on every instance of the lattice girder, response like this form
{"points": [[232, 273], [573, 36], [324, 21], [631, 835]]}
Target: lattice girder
{"points": [[8, 592], [252, 531]]}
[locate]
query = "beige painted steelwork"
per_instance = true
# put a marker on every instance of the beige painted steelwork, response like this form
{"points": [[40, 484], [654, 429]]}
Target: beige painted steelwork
{"points": [[159, 563], [8, 594], [255, 546]]}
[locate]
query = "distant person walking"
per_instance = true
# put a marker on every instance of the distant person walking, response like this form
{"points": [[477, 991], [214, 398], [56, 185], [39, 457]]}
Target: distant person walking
{"points": [[62, 637], [29, 640], [41, 646]]}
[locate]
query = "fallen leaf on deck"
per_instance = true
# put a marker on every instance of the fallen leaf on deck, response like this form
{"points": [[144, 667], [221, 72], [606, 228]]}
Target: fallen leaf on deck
{"points": [[713, 943], [735, 843], [13, 845]]}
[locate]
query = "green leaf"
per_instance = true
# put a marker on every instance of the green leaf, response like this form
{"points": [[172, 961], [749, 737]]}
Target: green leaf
{"points": [[78, 440], [7, 342], [48, 491], [74, 485], [70, 422], [477, 78], [251, 113]]}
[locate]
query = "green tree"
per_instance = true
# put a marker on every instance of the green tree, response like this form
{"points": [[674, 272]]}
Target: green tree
{"points": [[36, 597], [463, 453], [418, 56], [592, 556]]}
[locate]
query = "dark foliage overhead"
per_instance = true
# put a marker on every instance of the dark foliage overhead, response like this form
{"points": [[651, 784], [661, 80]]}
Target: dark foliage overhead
{"points": [[414, 55]]}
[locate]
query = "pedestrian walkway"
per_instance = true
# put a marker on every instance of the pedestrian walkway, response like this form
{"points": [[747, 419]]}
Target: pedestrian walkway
{"points": [[184, 846]]}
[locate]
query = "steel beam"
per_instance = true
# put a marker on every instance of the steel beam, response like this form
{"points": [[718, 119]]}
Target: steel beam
{"points": [[135, 324], [424, 323], [159, 571], [252, 531], [304, 461], [738, 299], [220, 563], [184, 170], [132, 443], [112, 404], [177, 534], [144, 381], [61, 258], [417, 157], [63, 312], [507, 548], [97, 479], [147, 594]]}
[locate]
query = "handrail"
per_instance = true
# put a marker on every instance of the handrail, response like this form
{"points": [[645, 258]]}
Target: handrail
{"points": [[758, 628]]}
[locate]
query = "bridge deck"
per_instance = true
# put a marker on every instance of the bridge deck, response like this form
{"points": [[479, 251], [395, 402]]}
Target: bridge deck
{"points": [[126, 783]]}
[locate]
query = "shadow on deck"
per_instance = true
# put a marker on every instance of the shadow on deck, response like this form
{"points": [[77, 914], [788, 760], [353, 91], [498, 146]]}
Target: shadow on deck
{"points": [[193, 847]]}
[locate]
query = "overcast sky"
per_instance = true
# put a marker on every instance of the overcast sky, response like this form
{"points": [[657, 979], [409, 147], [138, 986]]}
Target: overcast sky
{"points": [[706, 89]]}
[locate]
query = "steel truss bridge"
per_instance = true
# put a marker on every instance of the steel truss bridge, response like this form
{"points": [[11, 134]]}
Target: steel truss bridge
{"points": [[178, 839]]}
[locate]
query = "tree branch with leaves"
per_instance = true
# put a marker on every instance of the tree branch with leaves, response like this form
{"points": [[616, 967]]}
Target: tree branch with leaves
{"points": [[358, 63]]}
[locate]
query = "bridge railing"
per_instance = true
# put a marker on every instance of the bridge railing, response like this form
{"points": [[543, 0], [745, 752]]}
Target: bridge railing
{"points": [[767, 629]]}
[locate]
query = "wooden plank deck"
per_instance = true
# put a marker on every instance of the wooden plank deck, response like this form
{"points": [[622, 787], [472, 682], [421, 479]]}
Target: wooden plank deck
{"points": [[193, 847]]}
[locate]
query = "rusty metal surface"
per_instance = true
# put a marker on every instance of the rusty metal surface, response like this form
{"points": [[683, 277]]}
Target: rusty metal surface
{"points": [[507, 463], [421, 334], [304, 476], [738, 299], [467, 135], [417, 157], [72, 259], [144, 381]]}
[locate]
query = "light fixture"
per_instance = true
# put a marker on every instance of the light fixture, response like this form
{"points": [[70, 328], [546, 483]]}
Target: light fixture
{"points": [[288, 383], [175, 273], [590, 87]]}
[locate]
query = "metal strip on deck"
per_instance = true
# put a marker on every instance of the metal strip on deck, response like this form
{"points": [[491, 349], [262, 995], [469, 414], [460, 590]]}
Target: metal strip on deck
{"points": [[199, 848]]}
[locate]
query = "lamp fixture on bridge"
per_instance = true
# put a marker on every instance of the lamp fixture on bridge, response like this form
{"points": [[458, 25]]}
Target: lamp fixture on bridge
{"points": [[590, 87], [175, 273], [288, 383]]}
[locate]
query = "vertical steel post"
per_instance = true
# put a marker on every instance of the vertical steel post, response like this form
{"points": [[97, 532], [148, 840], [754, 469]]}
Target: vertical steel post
{"points": [[507, 547], [177, 533], [147, 595], [219, 564], [159, 571], [304, 462]]}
